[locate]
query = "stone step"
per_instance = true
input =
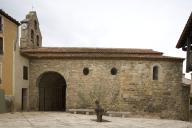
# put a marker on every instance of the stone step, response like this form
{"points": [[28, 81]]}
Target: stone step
{"points": [[82, 111], [92, 111], [118, 114]]}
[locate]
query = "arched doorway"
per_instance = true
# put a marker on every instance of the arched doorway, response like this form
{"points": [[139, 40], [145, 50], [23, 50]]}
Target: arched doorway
{"points": [[52, 92]]}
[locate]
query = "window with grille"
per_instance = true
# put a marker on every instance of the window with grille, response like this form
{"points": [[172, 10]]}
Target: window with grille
{"points": [[25, 72]]}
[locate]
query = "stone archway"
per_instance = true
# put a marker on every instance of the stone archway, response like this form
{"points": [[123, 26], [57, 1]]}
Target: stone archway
{"points": [[52, 92]]}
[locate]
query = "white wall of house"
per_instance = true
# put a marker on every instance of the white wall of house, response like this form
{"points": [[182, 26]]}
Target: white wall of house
{"points": [[19, 82]]}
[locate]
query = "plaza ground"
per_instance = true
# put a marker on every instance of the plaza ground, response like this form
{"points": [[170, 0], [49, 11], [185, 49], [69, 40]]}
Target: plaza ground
{"points": [[67, 120]]}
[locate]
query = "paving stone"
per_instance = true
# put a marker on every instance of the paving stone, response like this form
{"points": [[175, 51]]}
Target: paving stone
{"points": [[66, 120]]}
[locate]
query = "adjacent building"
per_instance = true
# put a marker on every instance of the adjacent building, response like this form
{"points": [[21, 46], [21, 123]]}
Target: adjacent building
{"points": [[185, 42], [8, 41]]}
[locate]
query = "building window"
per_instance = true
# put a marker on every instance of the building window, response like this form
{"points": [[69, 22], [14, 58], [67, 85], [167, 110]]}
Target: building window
{"points": [[113, 71], [86, 71], [25, 72], [37, 40], [32, 36], [1, 45], [1, 24], [155, 73]]}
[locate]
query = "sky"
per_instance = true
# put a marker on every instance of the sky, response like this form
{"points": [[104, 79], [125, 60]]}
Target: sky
{"points": [[151, 24]]}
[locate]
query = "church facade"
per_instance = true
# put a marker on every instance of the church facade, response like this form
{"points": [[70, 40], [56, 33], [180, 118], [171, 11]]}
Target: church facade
{"points": [[140, 81]]}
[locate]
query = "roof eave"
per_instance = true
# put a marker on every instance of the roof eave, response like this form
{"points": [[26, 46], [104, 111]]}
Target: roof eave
{"points": [[97, 56], [9, 17], [186, 31]]}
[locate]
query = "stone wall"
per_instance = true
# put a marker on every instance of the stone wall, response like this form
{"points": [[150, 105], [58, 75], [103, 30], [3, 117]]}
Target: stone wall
{"points": [[131, 89]]}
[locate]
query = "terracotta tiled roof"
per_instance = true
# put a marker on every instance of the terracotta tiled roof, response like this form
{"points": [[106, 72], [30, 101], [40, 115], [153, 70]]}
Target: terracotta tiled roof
{"points": [[106, 53], [185, 33], [9, 17]]}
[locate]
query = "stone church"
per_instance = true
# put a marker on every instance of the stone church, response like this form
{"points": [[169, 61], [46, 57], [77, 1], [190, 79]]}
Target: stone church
{"points": [[140, 81]]}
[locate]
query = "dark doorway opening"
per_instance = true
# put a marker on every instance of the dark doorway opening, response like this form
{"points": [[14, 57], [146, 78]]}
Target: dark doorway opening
{"points": [[52, 92], [24, 99]]}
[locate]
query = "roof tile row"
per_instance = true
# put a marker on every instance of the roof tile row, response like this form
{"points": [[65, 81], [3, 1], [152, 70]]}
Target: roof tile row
{"points": [[107, 53]]}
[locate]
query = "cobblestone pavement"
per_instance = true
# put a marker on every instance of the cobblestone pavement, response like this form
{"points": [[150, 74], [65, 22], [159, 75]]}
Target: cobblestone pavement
{"points": [[66, 120]]}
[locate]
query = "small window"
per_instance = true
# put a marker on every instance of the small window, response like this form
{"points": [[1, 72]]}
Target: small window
{"points": [[86, 71], [35, 23], [113, 71], [25, 72], [32, 36], [155, 73], [37, 40], [1, 24], [1, 45]]}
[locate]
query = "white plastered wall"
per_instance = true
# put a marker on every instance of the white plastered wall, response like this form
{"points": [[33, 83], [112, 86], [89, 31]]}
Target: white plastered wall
{"points": [[19, 83]]}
